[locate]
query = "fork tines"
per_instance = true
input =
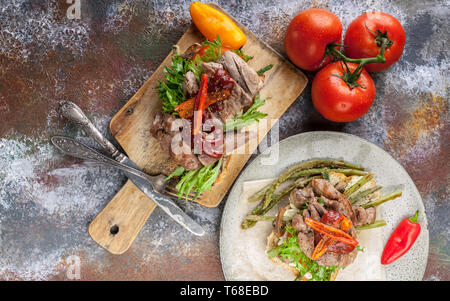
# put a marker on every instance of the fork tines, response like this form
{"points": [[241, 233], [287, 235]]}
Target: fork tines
{"points": [[170, 190]]}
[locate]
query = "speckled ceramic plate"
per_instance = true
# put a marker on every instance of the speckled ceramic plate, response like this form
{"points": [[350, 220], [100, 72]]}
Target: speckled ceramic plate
{"points": [[388, 173]]}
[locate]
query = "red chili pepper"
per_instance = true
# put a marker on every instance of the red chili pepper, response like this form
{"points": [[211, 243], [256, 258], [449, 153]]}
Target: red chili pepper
{"points": [[401, 239], [200, 104]]}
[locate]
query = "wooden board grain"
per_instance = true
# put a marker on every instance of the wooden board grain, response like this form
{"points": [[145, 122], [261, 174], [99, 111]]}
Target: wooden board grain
{"points": [[131, 128]]}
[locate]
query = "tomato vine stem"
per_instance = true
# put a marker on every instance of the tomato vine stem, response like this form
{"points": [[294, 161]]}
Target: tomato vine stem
{"points": [[382, 41]]}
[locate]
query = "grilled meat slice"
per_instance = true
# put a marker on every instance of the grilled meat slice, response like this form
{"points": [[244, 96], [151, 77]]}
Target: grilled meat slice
{"points": [[181, 152], [299, 224], [306, 242], [313, 212], [347, 208], [361, 216], [172, 138], [238, 100], [207, 160], [299, 197], [296, 198], [371, 215], [190, 85], [324, 188], [365, 216], [211, 68], [318, 207], [175, 140], [331, 204], [307, 239], [246, 77], [327, 190], [336, 259]]}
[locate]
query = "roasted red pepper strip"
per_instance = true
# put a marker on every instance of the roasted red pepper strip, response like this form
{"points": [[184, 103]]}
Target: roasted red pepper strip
{"points": [[401, 239], [200, 104], [186, 108], [323, 245], [331, 232]]}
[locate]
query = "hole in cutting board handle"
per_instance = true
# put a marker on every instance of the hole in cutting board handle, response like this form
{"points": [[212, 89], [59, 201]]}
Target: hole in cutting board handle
{"points": [[114, 230]]}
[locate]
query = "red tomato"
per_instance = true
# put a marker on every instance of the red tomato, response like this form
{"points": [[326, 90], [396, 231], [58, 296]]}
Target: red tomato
{"points": [[360, 42], [307, 36], [333, 97]]}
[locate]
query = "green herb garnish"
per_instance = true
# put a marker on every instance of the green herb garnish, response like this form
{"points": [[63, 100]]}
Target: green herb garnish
{"points": [[242, 54], [247, 118], [214, 51], [291, 251], [264, 69], [359, 249], [171, 91], [321, 201]]}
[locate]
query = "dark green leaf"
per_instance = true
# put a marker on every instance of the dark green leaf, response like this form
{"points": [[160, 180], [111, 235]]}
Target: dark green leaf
{"points": [[178, 172]]}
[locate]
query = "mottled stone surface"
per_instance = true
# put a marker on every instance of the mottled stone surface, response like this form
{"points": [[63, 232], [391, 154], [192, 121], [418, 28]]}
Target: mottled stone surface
{"points": [[100, 60]]}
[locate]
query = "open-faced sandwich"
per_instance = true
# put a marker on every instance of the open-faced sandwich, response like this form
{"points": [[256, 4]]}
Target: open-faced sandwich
{"points": [[209, 95], [328, 203]]}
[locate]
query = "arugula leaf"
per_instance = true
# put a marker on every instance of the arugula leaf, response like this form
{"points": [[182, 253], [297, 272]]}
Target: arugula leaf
{"points": [[198, 180], [178, 172], [291, 251], [247, 118]]}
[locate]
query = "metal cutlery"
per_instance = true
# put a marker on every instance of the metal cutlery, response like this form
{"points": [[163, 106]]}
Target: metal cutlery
{"points": [[152, 186]]}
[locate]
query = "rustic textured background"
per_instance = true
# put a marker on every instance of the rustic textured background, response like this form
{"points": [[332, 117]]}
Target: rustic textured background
{"points": [[100, 60]]}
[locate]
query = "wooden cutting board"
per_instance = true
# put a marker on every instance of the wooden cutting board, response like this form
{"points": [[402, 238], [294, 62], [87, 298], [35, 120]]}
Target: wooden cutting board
{"points": [[117, 225]]}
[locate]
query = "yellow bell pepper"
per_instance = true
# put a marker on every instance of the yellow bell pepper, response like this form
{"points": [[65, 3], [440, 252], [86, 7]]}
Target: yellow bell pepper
{"points": [[212, 23]]}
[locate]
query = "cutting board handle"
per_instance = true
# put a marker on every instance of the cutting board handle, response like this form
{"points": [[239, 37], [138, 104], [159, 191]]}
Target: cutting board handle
{"points": [[118, 224]]}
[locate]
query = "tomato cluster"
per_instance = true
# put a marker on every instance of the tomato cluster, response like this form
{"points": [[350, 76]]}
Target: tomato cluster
{"points": [[342, 89]]}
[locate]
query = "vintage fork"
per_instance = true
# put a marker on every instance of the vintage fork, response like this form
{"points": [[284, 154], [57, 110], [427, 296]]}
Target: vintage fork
{"points": [[74, 113]]}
